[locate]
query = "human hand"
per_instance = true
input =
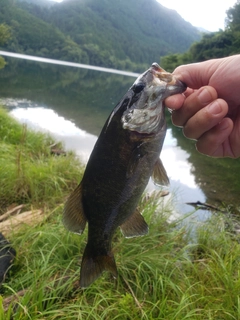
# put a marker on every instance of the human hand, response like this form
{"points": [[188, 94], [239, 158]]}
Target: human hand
{"points": [[209, 110]]}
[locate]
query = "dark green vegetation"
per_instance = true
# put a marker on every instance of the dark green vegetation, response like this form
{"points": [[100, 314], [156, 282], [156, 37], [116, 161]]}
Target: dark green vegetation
{"points": [[125, 34], [29, 173], [31, 35], [212, 45], [5, 35]]}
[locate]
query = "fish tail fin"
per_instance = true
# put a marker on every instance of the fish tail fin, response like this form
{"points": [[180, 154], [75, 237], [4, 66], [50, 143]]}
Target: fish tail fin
{"points": [[93, 266]]}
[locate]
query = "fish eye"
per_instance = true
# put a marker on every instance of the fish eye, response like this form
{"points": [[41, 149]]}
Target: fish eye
{"points": [[137, 88]]}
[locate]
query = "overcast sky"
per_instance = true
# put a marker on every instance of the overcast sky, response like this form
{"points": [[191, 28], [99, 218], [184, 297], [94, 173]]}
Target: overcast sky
{"points": [[208, 14]]}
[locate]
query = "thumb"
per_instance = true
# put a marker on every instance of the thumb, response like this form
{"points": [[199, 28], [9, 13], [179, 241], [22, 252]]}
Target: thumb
{"points": [[197, 75]]}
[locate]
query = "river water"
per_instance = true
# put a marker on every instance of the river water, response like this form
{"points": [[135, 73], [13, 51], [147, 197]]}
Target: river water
{"points": [[73, 104]]}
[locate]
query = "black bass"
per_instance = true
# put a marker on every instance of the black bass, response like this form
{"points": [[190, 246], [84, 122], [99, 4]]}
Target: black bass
{"points": [[124, 157]]}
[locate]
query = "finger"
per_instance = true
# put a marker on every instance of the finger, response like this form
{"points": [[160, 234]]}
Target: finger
{"points": [[188, 92], [176, 101], [197, 75], [193, 103], [215, 142], [205, 119], [234, 138]]}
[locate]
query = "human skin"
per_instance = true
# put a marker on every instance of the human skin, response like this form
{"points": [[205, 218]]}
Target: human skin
{"points": [[209, 110]]}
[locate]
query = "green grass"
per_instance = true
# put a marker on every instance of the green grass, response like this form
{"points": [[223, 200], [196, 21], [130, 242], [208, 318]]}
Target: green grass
{"points": [[161, 275], [165, 275], [29, 173]]}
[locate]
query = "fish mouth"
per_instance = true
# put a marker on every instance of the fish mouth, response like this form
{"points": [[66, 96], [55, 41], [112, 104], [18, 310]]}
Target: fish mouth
{"points": [[173, 85], [177, 87], [146, 114]]}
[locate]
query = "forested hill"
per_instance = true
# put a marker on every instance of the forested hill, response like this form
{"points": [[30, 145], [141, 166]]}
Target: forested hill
{"points": [[124, 34], [212, 45]]}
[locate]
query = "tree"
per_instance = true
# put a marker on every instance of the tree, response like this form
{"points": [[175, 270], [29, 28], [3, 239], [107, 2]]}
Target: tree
{"points": [[233, 17], [5, 35]]}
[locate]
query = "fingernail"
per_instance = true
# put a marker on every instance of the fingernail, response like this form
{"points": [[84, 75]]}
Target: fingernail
{"points": [[214, 108], [204, 96]]}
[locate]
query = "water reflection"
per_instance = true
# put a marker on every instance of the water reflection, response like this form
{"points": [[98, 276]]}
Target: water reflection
{"points": [[85, 99], [44, 119], [66, 63], [175, 159]]}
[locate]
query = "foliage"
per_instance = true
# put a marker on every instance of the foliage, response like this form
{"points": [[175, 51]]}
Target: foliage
{"points": [[212, 45], [5, 35], [233, 17], [2, 62], [123, 34], [31, 35], [29, 173], [138, 30]]}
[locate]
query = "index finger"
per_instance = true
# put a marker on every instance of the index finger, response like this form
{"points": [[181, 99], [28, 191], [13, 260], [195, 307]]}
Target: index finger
{"points": [[197, 75], [176, 101]]}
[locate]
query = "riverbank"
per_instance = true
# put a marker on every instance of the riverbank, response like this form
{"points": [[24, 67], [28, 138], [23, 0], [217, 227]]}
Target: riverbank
{"points": [[31, 172], [164, 275]]}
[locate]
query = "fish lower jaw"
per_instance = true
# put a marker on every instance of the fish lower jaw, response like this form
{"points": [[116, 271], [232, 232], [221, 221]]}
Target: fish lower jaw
{"points": [[142, 126]]}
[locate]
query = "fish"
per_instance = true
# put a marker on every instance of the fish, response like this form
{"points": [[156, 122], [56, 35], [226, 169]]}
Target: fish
{"points": [[125, 156]]}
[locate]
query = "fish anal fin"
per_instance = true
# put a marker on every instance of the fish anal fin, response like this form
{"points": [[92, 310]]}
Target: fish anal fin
{"points": [[73, 215], [93, 266], [134, 226], [159, 174]]}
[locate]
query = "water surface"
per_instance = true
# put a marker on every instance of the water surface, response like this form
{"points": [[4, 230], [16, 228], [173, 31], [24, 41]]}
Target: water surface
{"points": [[73, 105]]}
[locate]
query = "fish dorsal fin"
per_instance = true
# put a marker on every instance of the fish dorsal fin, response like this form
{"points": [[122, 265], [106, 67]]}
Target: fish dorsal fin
{"points": [[73, 215], [134, 226], [159, 174]]}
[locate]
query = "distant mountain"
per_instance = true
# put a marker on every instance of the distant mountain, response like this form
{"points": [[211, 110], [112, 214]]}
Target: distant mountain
{"points": [[124, 34], [203, 30]]}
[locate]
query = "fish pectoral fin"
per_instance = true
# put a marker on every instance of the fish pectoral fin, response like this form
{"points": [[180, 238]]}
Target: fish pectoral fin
{"points": [[159, 174], [134, 226], [136, 157], [93, 266], [73, 215]]}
